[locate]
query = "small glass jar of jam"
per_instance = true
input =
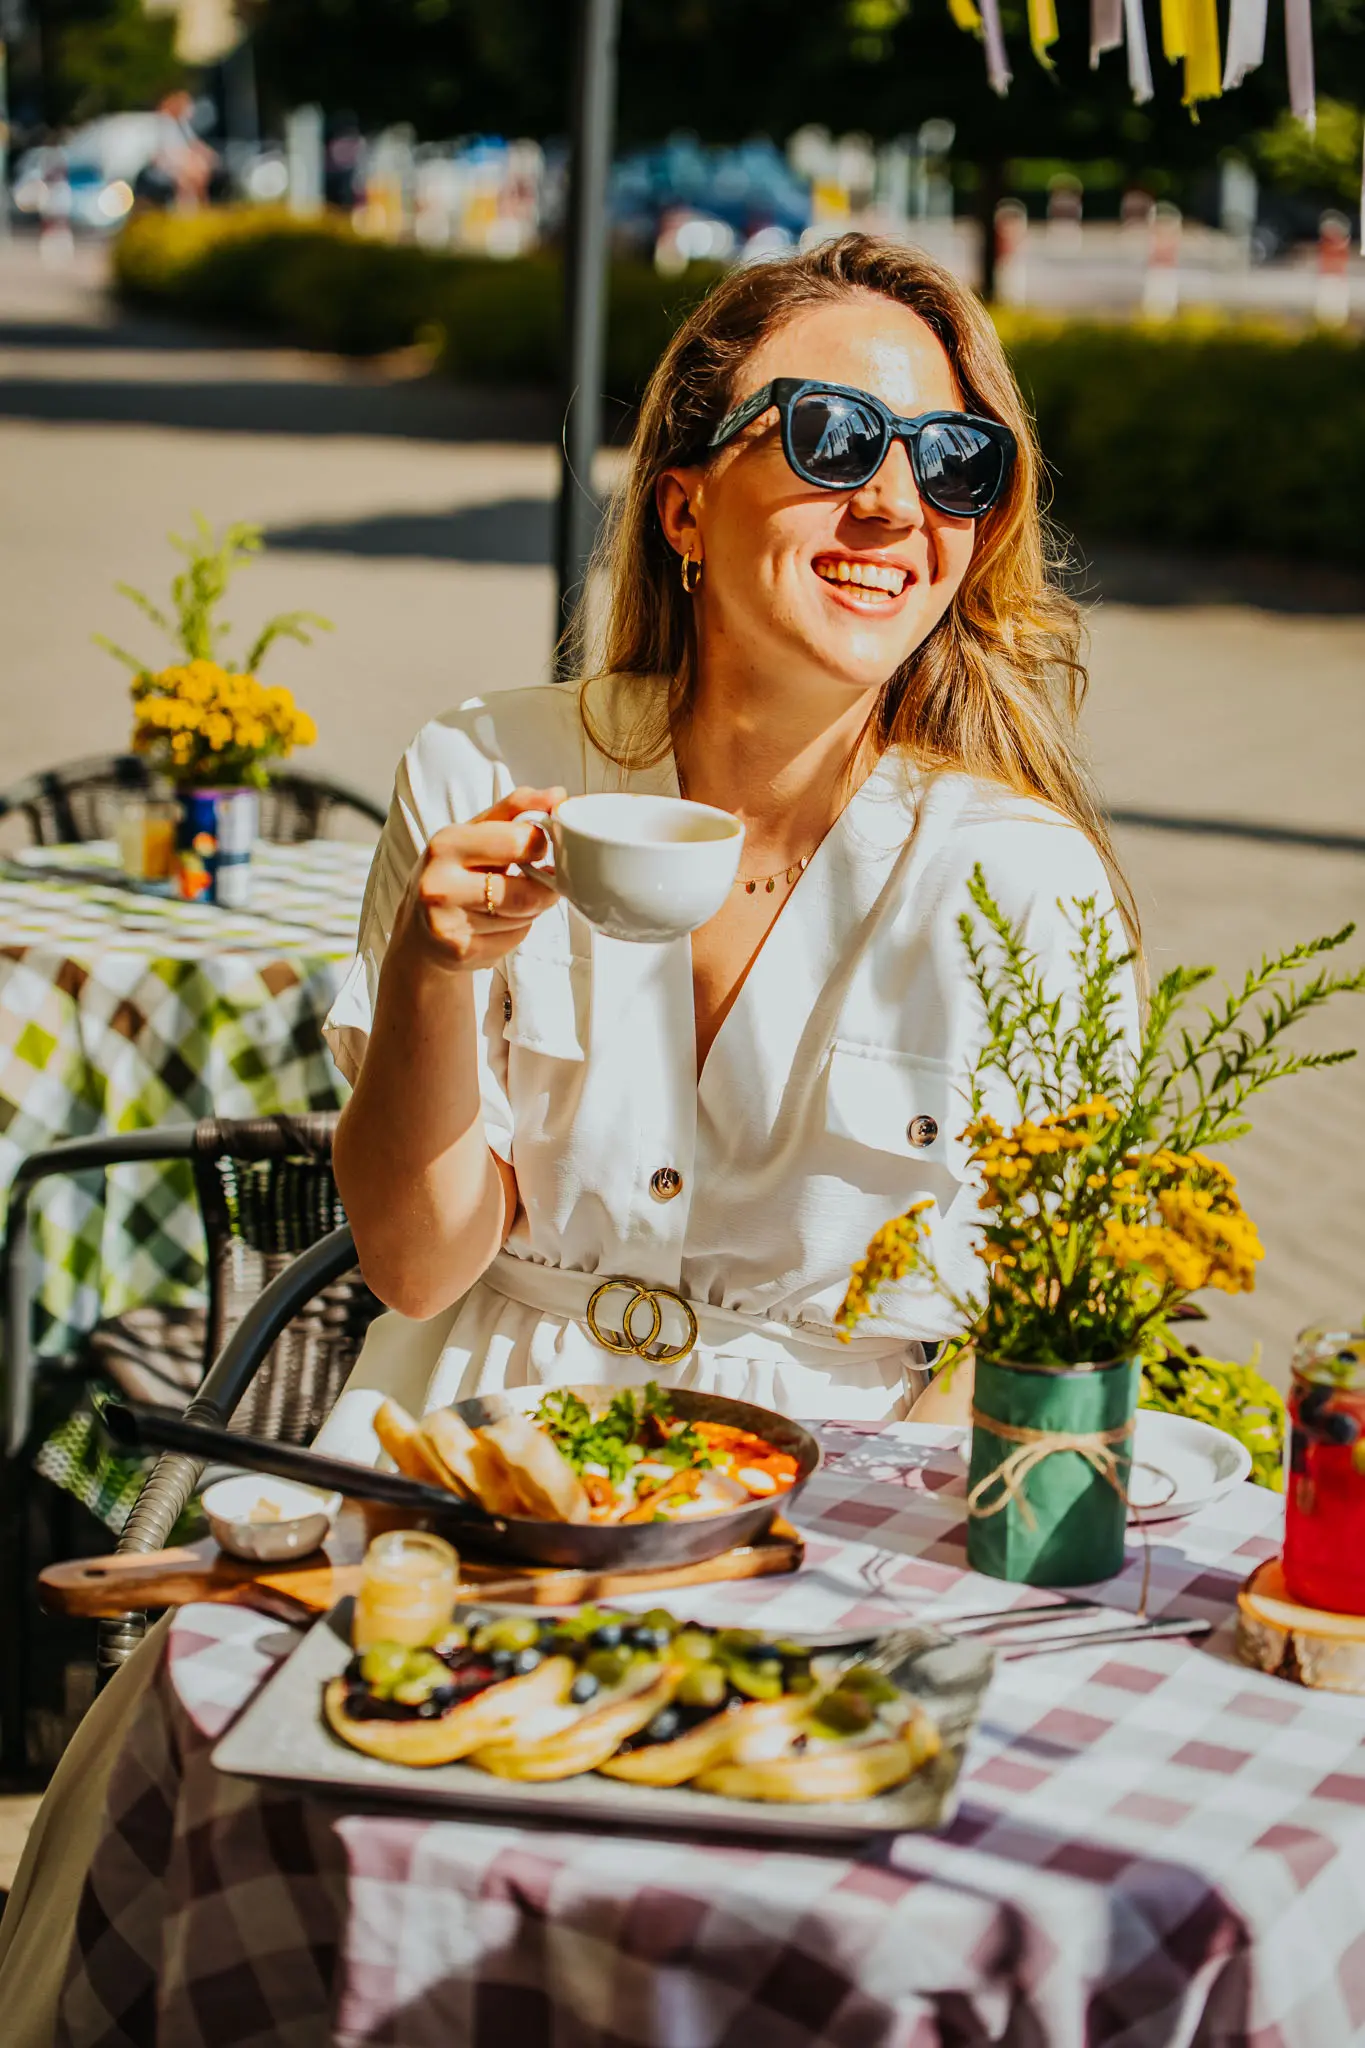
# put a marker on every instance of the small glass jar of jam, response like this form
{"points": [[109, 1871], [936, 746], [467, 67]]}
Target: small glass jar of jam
{"points": [[1324, 1524], [408, 1584]]}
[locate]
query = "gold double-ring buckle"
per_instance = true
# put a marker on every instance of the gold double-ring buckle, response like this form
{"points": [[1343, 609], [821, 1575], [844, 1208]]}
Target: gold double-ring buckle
{"points": [[625, 1340]]}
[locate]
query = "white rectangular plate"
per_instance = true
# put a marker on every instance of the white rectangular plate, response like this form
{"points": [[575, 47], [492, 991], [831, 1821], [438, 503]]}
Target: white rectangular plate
{"points": [[282, 1736]]}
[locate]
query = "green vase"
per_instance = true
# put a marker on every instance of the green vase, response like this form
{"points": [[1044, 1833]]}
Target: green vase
{"points": [[1072, 1532]]}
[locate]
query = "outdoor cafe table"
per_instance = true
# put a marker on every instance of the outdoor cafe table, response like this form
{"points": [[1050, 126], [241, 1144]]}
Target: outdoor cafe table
{"points": [[119, 1011], [1153, 1846]]}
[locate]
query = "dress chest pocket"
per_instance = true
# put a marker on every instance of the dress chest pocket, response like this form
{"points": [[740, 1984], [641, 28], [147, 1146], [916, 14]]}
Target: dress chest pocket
{"points": [[897, 1103], [547, 1007]]}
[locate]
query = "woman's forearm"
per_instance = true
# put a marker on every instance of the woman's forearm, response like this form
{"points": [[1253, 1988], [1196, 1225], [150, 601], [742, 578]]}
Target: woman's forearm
{"points": [[428, 1201]]}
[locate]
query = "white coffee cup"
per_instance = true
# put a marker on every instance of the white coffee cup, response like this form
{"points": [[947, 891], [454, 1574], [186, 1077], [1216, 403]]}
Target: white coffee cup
{"points": [[642, 868]]}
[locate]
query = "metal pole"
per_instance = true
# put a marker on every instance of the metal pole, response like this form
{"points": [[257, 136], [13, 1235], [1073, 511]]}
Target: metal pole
{"points": [[4, 147], [586, 248]]}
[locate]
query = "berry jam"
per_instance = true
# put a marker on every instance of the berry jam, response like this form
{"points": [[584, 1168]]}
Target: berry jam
{"points": [[1324, 1532]]}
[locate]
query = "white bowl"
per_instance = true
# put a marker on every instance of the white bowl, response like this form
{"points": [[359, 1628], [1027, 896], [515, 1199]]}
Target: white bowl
{"points": [[1199, 1462], [301, 1521]]}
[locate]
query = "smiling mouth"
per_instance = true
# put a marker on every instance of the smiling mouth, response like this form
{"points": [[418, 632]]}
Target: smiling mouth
{"points": [[866, 583]]}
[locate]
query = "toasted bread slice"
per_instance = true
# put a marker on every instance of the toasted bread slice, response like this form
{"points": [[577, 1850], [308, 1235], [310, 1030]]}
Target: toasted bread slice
{"points": [[495, 1483], [485, 1718], [854, 1772], [403, 1440], [851, 1770], [711, 1743], [550, 1489], [589, 1741], [456, 1448]]}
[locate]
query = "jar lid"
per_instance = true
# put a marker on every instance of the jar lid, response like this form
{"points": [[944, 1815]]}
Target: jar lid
{"points": [[1331, 1357]]}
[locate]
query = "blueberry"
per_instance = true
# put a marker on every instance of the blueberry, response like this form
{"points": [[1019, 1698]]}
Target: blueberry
{"points": [[502, 1661], [524, 1661], [1338, 1427], [443, 1696], [607, 1636], [1314, 1401], [664, 1726], [650, 1638], [764, 1655], [583, 1689]]}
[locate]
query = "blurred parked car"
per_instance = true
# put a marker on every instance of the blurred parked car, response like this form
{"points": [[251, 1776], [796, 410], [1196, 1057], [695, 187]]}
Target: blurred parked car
{"points": [[683, 196], [90, 180]]}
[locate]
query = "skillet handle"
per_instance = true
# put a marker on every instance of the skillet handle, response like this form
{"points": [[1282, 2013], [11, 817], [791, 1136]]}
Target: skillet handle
{"points": [[136, 1425]]}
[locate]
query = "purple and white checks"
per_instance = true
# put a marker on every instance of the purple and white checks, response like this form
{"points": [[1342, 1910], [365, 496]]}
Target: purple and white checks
{"points": [[1154, 1846]]}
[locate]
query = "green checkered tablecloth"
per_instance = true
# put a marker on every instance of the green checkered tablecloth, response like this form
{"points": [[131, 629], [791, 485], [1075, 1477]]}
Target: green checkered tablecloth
{"points": [[119, 1011]]}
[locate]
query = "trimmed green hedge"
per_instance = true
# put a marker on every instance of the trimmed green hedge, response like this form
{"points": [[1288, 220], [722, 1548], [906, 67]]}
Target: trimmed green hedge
{"points": [[1202, 434], [1198, 433], [321, 285]]}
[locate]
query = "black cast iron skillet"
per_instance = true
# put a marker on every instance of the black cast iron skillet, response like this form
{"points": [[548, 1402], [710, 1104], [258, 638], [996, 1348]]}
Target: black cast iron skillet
{"points": [[587, 1546]]}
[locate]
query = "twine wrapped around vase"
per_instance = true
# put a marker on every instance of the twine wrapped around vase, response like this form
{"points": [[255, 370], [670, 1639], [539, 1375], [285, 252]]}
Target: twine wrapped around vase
{"points": [[1032, 1447]]}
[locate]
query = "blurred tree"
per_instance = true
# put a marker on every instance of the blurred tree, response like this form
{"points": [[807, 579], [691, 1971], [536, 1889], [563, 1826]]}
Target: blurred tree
{"points": [[110, 57], [727, 69], [1326, 162]]}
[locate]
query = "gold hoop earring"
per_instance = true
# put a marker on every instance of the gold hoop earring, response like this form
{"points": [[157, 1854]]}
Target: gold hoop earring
{"points": [[691, 573]]}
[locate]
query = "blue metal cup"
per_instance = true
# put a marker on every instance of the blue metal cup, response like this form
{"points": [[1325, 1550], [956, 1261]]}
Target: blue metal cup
{"points": [[213, 845]]}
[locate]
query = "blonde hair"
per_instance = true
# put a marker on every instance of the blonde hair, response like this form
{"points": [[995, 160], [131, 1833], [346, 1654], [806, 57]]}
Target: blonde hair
{"points": [[996, 688]]}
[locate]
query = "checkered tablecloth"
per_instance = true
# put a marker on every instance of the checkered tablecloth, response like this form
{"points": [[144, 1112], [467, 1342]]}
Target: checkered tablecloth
{"points": [[1153, 1847], [119, 1011]]}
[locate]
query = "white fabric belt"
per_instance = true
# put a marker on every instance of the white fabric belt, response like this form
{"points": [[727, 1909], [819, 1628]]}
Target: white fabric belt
{"points": [[558, 1291]]}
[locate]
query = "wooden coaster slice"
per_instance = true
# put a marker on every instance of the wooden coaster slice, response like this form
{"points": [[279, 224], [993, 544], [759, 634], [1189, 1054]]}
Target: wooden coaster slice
{"points": [[1306, 1645]]}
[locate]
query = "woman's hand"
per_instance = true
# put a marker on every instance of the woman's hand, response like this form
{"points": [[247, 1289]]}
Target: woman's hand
{"points": [[463, 910]]}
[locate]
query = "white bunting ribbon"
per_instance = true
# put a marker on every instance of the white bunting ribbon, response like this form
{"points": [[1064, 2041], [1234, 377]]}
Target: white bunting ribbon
{"points": [[1106, 28], [1298, 43], [1246, 42], [1139, 58], [997, 63]]}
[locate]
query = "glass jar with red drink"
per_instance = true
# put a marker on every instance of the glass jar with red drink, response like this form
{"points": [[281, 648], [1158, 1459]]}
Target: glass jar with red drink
{"points": [[1324, 1527]]}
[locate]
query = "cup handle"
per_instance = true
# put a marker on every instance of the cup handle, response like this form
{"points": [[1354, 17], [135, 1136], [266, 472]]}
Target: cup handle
{"points": [[545, 874]]}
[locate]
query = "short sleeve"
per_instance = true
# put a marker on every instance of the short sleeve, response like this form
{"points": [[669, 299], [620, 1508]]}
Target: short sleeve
{"points": [[437, 784]]}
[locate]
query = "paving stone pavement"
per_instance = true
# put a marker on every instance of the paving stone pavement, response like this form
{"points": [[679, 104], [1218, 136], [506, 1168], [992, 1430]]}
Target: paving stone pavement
{"points": [[418, 520]]}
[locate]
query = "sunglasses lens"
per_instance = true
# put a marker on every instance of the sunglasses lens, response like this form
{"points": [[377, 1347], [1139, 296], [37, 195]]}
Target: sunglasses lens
{"points": [[960, 468], [835, 439]]}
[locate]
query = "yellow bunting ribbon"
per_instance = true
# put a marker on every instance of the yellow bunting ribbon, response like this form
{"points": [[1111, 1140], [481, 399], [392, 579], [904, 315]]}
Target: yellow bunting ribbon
{"points": [[967, 15], [1032, 1448], [1042, 29], [1203, 59], [1174, 33]]}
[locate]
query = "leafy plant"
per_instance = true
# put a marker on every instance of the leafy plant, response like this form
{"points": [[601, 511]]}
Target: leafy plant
{"points": [[1099, 1211], [192, 624], [1230, 1396]]}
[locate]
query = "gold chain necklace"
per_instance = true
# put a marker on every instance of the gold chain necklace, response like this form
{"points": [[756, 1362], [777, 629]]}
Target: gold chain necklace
{"points": [[751, 884]]}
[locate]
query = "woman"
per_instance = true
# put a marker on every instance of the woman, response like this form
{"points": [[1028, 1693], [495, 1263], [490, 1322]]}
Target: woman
{"points": [[842, 631], [884, 690]]}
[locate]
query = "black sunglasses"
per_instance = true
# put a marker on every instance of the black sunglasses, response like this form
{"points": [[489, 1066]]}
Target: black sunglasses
{"points": [[838, 438]]}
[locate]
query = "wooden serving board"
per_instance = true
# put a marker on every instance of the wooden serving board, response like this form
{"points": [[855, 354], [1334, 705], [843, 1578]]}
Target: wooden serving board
{"points": [[303, 1589], [1306, 1645]]}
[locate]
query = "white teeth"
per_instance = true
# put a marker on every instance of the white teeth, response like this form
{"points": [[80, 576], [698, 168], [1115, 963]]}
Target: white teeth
{"points": [[867, 575]]}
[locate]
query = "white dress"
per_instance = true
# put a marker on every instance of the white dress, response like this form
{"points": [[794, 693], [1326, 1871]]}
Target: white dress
{"points": [[830, 1100]]}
